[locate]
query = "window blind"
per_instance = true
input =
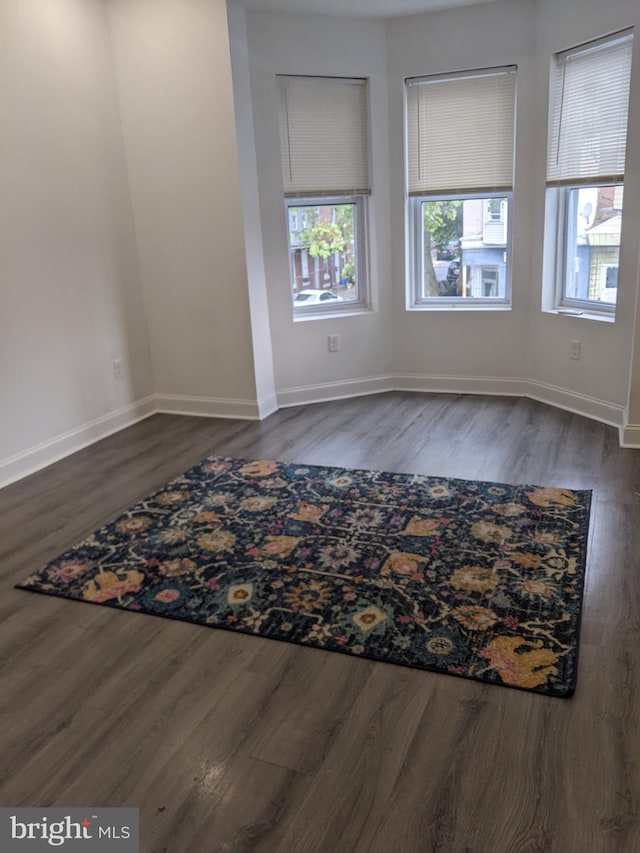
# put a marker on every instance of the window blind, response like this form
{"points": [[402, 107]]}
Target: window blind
{"points": [[324, 136], [460, 130], [588, 112]]}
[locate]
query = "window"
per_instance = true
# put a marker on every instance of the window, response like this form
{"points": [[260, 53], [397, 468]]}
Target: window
{"points": [[460, 151], [324, 262], [495, 211], [490, 281], [585, 171], [324, 145]]}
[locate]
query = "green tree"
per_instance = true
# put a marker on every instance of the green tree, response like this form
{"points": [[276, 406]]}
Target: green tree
{"points": [[323, 239], [349, 272], [441, 225], [344, 220], [328, 231]]}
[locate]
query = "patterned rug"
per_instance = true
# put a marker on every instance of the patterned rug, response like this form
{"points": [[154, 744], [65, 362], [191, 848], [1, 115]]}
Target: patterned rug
{"points": [[480, 580]]}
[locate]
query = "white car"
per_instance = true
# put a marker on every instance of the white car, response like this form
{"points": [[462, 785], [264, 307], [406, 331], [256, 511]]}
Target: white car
{"points": [[315, 297]]}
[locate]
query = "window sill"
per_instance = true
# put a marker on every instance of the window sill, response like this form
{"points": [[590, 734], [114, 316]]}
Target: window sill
{"points": [[600, 317], [456, 308], [356, 311]]}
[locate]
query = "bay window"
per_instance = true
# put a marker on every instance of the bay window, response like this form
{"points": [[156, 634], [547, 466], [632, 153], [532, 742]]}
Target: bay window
{"points": [[589, 103], [324, 146], [460, 153]]}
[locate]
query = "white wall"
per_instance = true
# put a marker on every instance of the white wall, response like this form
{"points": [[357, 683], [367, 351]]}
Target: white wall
{"points": [[96, 246], [519, 351], [70, 300], [472, 350], [174, 79], [321, 45], [604, 368], [258, 300], [448, 346]]}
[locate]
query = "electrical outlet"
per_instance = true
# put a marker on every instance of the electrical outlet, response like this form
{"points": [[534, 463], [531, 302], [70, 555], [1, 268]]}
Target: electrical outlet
{"points": [[575, 350], [118, 368], [334, 343]]}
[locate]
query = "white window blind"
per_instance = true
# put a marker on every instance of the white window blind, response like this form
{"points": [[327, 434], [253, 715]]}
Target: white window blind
{"points": [[588, 112], [460, 130], [324, 136]]}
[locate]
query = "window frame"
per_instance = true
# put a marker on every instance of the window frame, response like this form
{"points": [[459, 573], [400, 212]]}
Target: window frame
{"points": [[415, 300], [565, 212], [568, 171], [361, 257], [487, 171]]}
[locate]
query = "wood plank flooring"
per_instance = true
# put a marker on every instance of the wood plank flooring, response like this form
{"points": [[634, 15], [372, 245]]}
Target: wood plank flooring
{"points": [[230, 743]]}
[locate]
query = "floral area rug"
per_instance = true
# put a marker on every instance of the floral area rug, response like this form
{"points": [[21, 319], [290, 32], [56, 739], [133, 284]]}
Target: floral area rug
{"points": [[476, 579]]}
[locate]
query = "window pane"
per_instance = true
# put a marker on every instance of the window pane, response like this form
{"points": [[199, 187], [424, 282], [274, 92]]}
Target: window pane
{"points": [[593, 246], [322, 251], [464, 248]]}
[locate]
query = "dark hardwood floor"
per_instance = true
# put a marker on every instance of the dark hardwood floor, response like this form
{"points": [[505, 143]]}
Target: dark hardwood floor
{"points": [[235, 743]]}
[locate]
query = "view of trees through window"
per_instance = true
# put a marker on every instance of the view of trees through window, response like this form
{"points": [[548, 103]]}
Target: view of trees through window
{"points": [[322, 250], [464, 248]]}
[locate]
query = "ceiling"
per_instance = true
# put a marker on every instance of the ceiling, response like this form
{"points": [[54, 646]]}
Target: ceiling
{"points": [[357, 8]]}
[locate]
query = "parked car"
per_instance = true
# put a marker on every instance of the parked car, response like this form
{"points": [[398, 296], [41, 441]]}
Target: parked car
{"points": [[448, 252], [315, 297]]}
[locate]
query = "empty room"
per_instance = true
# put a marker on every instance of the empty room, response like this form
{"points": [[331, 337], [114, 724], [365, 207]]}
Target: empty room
{"points": [[320, 426]]}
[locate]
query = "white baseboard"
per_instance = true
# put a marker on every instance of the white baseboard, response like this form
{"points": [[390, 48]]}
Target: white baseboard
{"points": [[208, 407], [561, 398], [493, 386], [580, 404], [630, 436], [267, 407], [34, 458], [326, 391]]}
